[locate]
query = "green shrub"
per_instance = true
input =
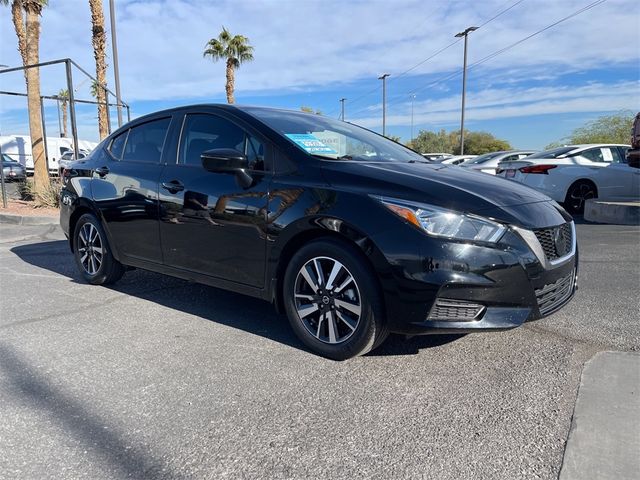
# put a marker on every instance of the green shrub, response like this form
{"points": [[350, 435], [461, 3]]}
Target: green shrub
{"points": [[48, 196]]}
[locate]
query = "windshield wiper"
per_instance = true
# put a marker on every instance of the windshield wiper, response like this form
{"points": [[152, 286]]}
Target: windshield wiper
{"points": [[343, 157]]}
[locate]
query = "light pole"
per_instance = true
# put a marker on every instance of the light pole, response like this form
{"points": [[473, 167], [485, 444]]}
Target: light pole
{"points": [[116, 72], [413, 97], [342, 107], [383, 77], [464, 34]]}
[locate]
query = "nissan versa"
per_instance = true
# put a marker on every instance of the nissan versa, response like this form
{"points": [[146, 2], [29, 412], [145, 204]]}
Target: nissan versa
{"points": [[352, 235]]}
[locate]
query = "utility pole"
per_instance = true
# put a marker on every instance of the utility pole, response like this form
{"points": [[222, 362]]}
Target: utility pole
{"points": [[384, 102], [413, 97], [464, 34], [342, 107], [116, 72]]}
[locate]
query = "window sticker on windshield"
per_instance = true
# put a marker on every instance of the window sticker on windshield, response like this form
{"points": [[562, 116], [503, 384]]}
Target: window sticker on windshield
{"points": [[606, 153], [310, 143]]}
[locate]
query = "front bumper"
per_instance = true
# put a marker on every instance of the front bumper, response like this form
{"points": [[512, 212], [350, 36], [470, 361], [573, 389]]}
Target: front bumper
{"points": [[507, 285]]}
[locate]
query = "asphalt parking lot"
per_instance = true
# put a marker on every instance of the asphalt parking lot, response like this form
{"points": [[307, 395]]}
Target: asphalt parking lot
{"points": [[160, 378]]}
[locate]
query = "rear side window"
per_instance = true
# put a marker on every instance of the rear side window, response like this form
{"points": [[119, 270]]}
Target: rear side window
{"points": [[117, 145], [594, 154], [145, 141]]}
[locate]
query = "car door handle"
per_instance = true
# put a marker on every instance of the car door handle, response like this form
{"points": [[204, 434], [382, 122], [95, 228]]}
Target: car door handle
{"points": [[174, 186], [102, 171]]}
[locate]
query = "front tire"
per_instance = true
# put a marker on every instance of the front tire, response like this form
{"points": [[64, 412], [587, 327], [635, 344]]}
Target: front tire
{"points": [[578, 194], [333, 301], [93, 254]]}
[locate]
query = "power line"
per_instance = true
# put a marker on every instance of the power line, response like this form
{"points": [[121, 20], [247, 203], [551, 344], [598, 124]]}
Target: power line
{"points": [[500, 51], [500, 13], [433, 55]]}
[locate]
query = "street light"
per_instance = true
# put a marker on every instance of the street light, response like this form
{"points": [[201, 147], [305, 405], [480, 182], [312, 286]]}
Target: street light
{"points": [[464, 34], [383, 77], [413, 97], [342, 107], [116, 72]]}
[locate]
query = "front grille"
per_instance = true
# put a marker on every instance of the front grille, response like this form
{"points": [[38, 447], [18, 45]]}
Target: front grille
{"points": [[553, 295], [556, 241], [455, 310]]}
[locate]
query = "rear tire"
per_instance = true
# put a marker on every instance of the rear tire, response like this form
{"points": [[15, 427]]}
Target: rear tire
{"points": [[578, 194], [93, 254], [333, 301]]}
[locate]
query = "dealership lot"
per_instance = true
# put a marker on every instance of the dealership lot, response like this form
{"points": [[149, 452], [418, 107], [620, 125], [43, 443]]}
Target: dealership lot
{"points": [[160, 378]]}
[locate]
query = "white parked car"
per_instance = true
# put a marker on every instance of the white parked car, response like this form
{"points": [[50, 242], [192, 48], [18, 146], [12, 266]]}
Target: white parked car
{"points": [[457, 159], [574, 173], [488, 162]]}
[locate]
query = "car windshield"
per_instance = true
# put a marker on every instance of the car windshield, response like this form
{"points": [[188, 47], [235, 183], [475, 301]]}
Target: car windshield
{"points": [[482, 158], [332, 139], [7, 159], [553, 153]]}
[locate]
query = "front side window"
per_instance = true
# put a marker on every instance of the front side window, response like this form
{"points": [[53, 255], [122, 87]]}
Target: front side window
{"points": [[202, 132], [145, 141], [611, 154]]}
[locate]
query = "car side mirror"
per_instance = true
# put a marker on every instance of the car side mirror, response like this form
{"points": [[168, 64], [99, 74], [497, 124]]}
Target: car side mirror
{"points": [[224, 160]]}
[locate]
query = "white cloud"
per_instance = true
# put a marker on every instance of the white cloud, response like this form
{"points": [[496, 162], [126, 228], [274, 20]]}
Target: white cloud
{"points": [[303, 43], [494, 104], [311, 46]]}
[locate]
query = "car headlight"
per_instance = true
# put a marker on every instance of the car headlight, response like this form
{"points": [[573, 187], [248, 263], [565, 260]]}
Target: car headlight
{"points": [[440, 222]]}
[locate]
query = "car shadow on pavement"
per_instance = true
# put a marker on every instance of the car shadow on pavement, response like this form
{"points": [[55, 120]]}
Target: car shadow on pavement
{"points": [[249, 314], [26, 386]]}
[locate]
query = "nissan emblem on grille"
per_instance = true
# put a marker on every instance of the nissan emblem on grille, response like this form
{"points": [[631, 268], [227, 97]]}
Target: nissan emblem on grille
{"points": [[556, 241]]}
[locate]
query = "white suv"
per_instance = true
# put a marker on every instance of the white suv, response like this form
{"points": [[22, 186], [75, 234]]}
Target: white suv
{"points": [[574, 173]]}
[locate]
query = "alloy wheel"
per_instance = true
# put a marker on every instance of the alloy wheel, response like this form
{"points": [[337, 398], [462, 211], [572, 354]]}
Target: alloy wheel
{"points": [[327, 300], [90, 248]]}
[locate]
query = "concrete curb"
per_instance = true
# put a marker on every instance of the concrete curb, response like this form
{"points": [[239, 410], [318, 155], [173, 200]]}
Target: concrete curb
{"points": [[619, 213], [27, 219], [603, 441]]}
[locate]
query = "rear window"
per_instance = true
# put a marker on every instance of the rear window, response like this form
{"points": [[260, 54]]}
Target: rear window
{"points": [[553, 153], [483, 158]]}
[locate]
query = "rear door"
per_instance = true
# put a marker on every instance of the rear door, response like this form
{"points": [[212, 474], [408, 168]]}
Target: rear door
{"points": [[125, 189], [209, 222]]}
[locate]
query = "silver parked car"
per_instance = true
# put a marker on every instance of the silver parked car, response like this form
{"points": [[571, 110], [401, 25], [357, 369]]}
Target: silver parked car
{"points": [[13, 170], [488, 162]]}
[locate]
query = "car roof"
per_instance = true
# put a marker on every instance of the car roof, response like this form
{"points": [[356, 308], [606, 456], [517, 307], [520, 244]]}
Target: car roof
{"points": [[223, 106], [591, 145]]}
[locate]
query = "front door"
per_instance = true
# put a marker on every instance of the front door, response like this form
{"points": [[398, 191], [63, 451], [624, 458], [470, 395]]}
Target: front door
{"points": [[615, 180], [209, 222]]}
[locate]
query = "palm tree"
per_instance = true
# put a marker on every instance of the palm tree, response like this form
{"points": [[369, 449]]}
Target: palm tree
{"points": [[235, 49], [99, 41], [28, 33], [63, 96]]}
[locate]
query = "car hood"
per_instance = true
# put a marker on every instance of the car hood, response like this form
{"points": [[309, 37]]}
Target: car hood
{"points": [[451, 187]]}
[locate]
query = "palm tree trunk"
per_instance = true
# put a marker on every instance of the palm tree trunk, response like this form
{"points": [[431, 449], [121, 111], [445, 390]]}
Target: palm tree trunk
{"points": [[99, 40], [40, 171], [64, 119], [18, 23], [230, 79]]}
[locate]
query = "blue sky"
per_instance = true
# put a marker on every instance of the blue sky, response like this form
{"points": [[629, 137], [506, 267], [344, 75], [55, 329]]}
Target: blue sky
{"points": [[313, 53]]}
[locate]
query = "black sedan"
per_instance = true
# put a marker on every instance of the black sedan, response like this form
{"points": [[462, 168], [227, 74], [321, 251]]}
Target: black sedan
{"points": [[12, 169], [352, 235]]}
